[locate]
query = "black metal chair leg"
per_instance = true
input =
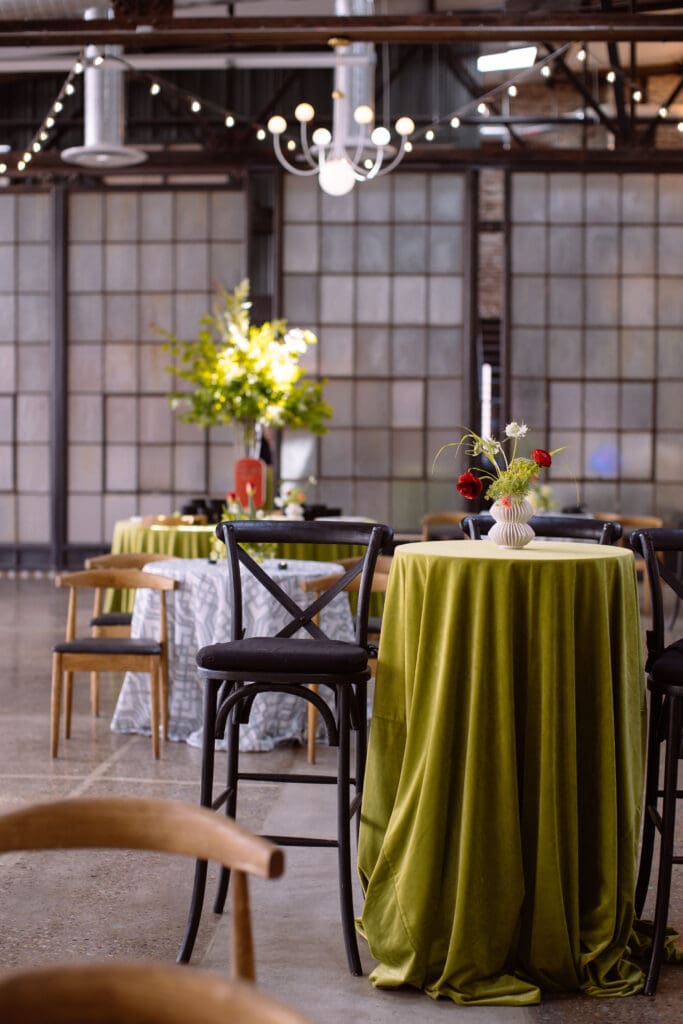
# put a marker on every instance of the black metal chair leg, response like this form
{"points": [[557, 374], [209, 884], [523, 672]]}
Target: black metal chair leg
{"points": [[205, 798], [666, 852], [650, 801], [232, 732], [344, 835]]}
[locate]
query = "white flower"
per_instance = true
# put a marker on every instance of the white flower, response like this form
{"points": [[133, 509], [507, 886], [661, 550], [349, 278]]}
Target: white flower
{"points": [[516, 429]]}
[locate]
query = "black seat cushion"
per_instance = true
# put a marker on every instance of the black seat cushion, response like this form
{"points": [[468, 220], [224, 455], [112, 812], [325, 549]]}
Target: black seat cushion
{"points": [[283, 655], [112, 619], [108, 645], [667, 670]]}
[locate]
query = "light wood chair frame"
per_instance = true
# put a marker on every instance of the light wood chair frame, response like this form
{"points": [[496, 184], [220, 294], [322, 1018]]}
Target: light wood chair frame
{"points": [[165, 826], [440, 519], [380, 580], [135, 993], [123, 659]]}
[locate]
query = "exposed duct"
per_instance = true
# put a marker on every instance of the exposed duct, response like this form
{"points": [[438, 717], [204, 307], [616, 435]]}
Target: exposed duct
{"points": [[103, 110]]}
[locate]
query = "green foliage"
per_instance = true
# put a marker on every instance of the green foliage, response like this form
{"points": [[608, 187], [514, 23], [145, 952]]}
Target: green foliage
{"points": [[245, 373]]}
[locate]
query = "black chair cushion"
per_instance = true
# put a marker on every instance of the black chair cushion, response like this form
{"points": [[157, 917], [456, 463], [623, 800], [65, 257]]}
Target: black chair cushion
{"points": [[283, 655], [668, 668], [374, 623], [108, 645], [112, 619]]}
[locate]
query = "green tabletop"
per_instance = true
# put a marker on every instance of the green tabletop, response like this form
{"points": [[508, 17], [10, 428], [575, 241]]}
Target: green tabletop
{"points": [[502, 799]]}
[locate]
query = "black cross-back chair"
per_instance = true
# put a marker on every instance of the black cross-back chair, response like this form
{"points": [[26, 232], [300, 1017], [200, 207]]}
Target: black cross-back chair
{"points": [[664, 667], [565, 527], [235, 672]]}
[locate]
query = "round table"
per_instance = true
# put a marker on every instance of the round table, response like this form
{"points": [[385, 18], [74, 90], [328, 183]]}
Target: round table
{"points": [[502, 799]]}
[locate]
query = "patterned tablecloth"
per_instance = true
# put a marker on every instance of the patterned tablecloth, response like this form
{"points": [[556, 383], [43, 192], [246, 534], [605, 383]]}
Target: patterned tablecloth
{"points": [[198, 614]]}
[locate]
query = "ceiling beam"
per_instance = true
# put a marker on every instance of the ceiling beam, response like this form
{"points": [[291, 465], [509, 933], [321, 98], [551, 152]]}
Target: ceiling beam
{"points": [[222, 33]]}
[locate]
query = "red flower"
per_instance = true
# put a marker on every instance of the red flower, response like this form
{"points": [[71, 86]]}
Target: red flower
{"points": [[541, 457], [506, 502], [469, 485]]}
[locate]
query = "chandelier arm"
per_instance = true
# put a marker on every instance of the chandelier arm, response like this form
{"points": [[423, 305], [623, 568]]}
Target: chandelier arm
{"points": [[395, 162], [282, 159], [306, 149]]}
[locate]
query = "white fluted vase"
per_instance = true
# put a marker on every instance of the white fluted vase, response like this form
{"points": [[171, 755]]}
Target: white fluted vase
{"points": [[511, 528]]}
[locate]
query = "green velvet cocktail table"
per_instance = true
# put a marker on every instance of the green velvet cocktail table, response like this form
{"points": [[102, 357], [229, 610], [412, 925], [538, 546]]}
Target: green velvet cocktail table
{"points": [[502, 798]]}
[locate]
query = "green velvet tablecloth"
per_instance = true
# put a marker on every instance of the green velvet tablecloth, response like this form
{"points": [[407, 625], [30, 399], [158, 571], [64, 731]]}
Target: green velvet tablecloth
{"points": [[502, 799]]}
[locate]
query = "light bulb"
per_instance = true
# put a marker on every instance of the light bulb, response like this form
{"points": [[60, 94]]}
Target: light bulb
{"points": [[155, 88], [545, 71], [195, 106], [36, 147], [429, 135], [20, 165], [98, 61], [637, 95], [512, 91], [581, 55], [408, 146], [482, 109], [229, 121], [380, 137], [679, 126], [364, 114], [611, 77], [260, 134], [321, 137], [3, 168], [44, 136], [663, 112], [367, 164], [49, 122], [405, 126], [27, 157], [78, 67], [304, 113], [277, 125], [455, 122], [58, 107], [69, 88], [336, 177], [291, 144]]}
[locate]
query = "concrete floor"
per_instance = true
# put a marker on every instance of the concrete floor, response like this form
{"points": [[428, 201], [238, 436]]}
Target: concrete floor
{"points": [[81, 904]]}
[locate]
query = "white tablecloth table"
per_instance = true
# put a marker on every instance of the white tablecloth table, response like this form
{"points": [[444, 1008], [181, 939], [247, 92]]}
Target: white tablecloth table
{"points": [[199, 613]]}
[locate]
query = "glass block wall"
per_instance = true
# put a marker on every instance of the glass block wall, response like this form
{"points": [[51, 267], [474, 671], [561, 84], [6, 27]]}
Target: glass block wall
{"points": [[137, 259], [596, 334], [25, 333], [380, 276]]}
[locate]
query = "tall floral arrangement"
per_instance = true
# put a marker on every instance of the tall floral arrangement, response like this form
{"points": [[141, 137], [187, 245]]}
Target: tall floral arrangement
{"points": [[507, 477], [245, 373]]}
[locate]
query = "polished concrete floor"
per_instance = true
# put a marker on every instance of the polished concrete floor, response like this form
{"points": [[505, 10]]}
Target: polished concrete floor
{"points": [[96, 905]]}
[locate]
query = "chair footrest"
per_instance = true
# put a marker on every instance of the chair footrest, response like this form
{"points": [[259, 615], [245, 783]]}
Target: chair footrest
{"points": [[300, 841], [315, 780]]}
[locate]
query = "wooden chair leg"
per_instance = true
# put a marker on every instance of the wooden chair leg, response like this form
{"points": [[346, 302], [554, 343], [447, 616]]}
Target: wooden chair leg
{"points": [[68, 702], [312, 726], [95, 693], [242, 942], [163, 699], [55, 703], [154, 708]]}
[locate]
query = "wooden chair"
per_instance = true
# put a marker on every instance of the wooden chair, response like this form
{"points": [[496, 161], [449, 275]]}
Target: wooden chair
{"points": [[628, 525], [134, 993], [165, 826], [435, 525], [110, 654], [104, 623], [317, 585]]}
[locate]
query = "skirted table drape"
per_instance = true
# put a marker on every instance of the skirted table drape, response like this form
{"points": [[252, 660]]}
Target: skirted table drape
{"points": [[502, 799]]}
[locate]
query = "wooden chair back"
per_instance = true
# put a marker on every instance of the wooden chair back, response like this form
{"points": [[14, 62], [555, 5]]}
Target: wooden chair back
{"points": [[317, 585], [135, 993], [118, 560], [442, 519], [166, 826]]}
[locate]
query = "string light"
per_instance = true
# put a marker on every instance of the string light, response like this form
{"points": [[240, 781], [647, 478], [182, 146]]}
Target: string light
{"points": [[581, 55], [545, 71], [229, 121], [637, 95], [611, 77], [455, 122], [429, 135], [512, 91], [663, 112], [195, 106], [155, 89]]}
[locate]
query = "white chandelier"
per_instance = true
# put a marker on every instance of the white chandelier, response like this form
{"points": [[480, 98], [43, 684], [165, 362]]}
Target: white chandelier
{"points": [[353, 151]]}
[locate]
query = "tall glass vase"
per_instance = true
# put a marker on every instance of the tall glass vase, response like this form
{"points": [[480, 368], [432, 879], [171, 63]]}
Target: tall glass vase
{"points": [[252, 434]]}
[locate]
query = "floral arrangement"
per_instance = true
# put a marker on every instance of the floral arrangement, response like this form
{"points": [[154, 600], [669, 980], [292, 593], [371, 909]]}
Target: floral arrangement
{"points": [[233, 511], [510, 476], [245, 373]]}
